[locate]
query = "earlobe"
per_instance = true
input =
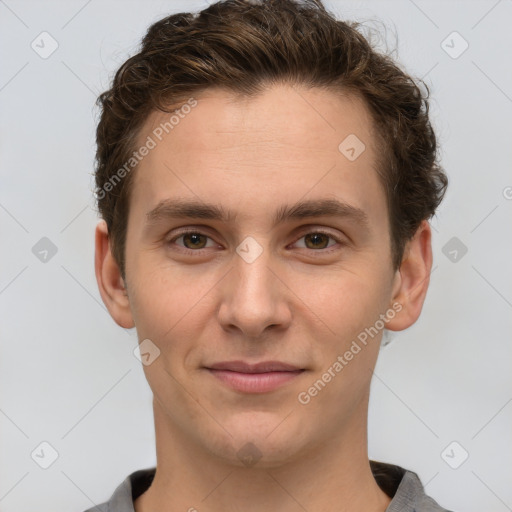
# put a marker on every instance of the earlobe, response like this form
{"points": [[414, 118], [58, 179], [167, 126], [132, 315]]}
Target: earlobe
{"points": [[110, 283], [412, 280]]}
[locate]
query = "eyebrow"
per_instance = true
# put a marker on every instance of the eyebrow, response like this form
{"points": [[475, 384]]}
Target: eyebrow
{"points": [[192, 209]]}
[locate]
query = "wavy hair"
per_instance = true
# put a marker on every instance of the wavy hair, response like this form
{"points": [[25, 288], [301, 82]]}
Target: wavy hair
{"points": [[245, 46]]}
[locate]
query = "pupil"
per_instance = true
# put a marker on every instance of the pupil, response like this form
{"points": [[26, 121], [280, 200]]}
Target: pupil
{"points": [[316, 238], [195, 237]]}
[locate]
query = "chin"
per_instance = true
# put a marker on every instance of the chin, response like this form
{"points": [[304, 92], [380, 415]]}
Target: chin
{"points": [[262, 442]]}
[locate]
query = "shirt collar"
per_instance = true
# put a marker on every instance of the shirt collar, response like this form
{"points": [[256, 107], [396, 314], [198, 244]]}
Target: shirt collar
{"points": [[403, 486]]}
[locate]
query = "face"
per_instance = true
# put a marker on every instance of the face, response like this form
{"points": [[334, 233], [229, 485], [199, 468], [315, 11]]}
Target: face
{"points": [[267, 242]]}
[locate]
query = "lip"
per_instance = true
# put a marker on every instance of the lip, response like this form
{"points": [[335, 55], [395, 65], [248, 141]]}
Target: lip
{"points": [[263, 367], [254, 378]]}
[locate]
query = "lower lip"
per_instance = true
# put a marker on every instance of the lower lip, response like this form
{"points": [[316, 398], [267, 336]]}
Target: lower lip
{"points": [[254, 382]]}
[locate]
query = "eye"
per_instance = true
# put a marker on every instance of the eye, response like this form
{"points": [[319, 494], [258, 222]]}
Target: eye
{"points": [[318, 240], [192, 240]]}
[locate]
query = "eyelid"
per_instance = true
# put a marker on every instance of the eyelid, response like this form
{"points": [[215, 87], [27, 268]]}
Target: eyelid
{"points": [[186, 231], [303, 231], [340, 241]]}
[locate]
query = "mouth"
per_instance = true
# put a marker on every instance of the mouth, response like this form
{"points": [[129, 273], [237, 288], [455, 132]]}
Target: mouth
{"points": [[254, 378]]}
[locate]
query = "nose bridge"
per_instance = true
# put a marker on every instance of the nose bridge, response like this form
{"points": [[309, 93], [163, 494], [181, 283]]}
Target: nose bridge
{"points": [[253, 298], [253, 276]]}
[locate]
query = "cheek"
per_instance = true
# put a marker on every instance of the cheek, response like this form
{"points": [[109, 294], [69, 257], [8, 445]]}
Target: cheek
{"points": [[168, 306], [162, 304], [349, 301]]}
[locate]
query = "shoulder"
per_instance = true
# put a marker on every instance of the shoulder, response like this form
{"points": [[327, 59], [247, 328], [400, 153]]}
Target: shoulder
{"points": [[127, 491], [405, 489]]}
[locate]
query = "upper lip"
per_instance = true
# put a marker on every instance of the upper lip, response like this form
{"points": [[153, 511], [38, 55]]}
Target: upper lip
{"points": [[263, 367]]}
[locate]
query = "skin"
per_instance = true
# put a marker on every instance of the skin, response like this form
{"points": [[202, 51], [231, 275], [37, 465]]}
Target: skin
{"points": [[302, 301]]}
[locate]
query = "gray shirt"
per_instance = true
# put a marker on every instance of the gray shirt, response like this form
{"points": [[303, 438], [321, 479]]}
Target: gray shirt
{"points": [[403, 486]]}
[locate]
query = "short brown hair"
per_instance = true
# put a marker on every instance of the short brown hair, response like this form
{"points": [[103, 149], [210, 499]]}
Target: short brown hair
{"points": [[244, 46]]}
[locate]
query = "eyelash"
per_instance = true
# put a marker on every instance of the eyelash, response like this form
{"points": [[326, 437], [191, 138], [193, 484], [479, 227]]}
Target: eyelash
{"points": [[199, 251]]}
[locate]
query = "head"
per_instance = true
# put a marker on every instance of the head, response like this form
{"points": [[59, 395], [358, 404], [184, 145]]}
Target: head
{"points": [[223, 123]]}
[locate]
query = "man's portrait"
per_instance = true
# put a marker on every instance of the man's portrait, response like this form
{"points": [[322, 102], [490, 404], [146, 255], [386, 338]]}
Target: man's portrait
{"points": [[289, 289]]}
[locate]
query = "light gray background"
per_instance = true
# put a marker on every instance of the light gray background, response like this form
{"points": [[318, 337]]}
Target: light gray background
{"points": [[68, 375]]}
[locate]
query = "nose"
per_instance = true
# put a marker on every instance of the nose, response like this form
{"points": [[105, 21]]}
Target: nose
{"points": [[255, 298]]}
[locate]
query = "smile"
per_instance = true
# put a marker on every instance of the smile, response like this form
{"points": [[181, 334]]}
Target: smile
{"points": [[259, 378], [254, 382]]}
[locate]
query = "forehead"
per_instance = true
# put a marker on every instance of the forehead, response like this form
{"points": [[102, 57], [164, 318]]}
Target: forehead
{"points": [[318, 118], [242, 149]]}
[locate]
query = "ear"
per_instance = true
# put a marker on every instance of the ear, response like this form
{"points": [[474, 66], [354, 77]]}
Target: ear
{"points": [[110, 283], [412, 279]]}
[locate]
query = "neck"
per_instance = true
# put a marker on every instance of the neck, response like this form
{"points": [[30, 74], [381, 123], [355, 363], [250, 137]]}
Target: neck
{"points": [[334, 476]]}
